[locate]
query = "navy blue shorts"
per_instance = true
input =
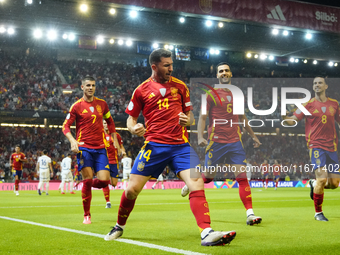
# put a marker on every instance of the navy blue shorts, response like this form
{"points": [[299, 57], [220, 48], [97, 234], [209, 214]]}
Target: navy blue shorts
{"points": [[114, 170], [225, 153], [95, 158], [321, 158], [17, 173], [154, 157], [276, 177]]}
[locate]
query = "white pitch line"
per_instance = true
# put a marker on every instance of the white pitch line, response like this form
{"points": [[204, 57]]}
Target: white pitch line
{"points": [[122, 240]]}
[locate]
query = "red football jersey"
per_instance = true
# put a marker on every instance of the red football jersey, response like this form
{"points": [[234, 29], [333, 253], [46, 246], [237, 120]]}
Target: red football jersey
{"points": [[112, 152], [222, 132], [264, 168], [17, 164], [89, 122], [277, 169], [320, 126], [161, 104]]}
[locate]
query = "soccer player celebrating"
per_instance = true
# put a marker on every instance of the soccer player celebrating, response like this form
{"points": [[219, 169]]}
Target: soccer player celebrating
{"points": [[322, 142], [265, 173], [224, 144], [89, 112], [165, 103], [126, 162], [277, 171], [112, 153], [16, 160], [45, 171]]}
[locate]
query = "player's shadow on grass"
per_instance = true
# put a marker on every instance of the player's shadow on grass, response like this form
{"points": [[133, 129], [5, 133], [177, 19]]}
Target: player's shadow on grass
{"points": [[235, 222]]}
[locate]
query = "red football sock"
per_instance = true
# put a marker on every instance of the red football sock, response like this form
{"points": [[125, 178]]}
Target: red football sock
{"points": [[276, 184], [125, 208], [106, 192], [86, 195], [266, 182], [244, 190], [200, 208], [16, 183], [99, 184], [205, 179], [318, 199]]}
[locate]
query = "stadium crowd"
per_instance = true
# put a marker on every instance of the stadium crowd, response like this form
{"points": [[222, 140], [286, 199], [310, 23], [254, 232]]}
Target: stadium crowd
{"points": [[33, 83], [34, 140]]}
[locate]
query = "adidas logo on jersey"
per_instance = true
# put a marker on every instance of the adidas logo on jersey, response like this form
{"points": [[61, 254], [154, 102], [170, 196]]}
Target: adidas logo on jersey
{"points": [[316, 111], [276, 13], [85, 111], [151, 95]]}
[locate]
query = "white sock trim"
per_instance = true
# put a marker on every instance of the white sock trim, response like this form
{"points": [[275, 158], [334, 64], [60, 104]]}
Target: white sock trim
{"points": [[250, 211], [121, 226], [205, 232]]}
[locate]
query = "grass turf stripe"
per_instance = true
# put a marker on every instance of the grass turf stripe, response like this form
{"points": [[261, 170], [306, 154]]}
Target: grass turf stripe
{"points": [[148, 245]]}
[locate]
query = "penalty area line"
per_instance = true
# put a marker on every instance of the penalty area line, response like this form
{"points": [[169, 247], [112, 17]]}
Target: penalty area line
{"points": [[122, 240]]}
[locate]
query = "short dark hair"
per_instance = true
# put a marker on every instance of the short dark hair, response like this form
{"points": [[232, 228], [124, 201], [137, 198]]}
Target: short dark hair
{"points": [[221, 64], [18, 145], [88, 78], [156, 55], [69, 154], [45, 152]]}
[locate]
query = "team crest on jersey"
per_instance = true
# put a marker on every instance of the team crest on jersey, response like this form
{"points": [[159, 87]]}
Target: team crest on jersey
{"points": [[331, 110], [318, 162], [205, 5], [99, 109], [108, 138], [163, 91], [140, 166], [91, 108], [209, 162], [81, 162], [323, 109], [229, 98], [174, 92], [130, 106]]}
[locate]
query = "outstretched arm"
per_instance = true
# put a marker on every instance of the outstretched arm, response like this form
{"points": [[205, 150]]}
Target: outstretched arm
{"points": [[243, 118]]}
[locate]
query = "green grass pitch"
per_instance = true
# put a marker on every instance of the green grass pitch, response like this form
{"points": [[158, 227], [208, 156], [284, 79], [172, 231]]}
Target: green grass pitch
{"points": [[163, 217]]}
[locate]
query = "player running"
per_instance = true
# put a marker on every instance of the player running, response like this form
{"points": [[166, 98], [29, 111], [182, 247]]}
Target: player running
{"points": [[89, 112], [165, 103], [277, 168], [224, 143], [322, 142], [45, 171], [265, 173], [112, 153], [16, 161]]}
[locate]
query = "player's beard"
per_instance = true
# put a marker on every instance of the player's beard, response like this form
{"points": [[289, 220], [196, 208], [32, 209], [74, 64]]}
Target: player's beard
{"points": [[225, 80]]}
